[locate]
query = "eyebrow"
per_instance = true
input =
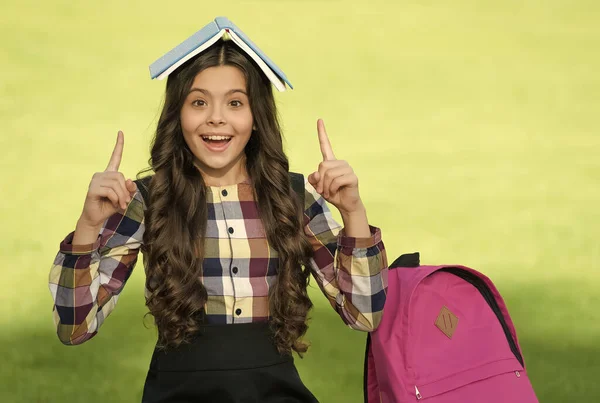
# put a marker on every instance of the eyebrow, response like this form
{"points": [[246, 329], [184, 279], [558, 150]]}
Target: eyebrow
{"points": [[207, 92]]}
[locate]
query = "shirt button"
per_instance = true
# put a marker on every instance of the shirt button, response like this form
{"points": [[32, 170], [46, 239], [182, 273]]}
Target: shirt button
{"points": [[234, 270], [224, 192], [230, 230], [238, 312]]}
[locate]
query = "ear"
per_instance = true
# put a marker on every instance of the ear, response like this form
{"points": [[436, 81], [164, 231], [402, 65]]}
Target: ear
{"points": [[254, 128]]}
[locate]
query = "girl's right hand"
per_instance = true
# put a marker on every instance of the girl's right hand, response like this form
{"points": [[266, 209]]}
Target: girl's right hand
{"points": [[108, 191]]}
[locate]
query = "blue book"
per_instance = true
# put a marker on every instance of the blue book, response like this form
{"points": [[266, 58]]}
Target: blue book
{"points": [[221, 27]]}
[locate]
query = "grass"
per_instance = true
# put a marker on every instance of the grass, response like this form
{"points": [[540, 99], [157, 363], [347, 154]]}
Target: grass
{"points": [[471, 124]]}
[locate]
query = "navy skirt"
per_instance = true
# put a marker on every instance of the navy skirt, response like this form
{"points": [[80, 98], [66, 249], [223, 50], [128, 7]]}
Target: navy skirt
{"points": [[225, 364]]}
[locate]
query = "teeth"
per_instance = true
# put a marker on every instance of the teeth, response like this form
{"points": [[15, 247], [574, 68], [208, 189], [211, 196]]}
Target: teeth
{"points": [[216, 137]]}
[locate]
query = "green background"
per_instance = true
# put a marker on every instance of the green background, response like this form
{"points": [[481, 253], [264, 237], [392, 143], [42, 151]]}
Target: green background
{"points": [[472, 125]]}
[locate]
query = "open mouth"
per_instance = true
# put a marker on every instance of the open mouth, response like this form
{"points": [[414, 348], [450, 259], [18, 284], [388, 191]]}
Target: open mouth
{"points": [[217, 140], [216, 143]]}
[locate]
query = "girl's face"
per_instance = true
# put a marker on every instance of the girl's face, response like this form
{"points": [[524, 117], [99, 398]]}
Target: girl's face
{"points": [[217, 123]]}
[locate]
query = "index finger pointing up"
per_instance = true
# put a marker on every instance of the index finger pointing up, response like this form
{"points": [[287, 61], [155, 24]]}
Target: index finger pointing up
{"points": [[326, 149], [115, 158]]}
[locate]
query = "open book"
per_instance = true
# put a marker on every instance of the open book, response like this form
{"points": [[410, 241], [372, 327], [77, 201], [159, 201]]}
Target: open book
{"points": [[207, 36]]}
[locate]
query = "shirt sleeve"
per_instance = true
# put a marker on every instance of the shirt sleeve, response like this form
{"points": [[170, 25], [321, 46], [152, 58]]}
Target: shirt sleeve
{"points": [[85, 280], [351, 272]]}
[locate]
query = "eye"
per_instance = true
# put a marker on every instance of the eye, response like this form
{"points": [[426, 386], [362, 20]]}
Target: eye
{"points": [[198, 102], [235, 103]]}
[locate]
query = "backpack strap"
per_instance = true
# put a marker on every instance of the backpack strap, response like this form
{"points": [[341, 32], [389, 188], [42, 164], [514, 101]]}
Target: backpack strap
{"points": [[370, 385], [296, 179], [407, 260]]}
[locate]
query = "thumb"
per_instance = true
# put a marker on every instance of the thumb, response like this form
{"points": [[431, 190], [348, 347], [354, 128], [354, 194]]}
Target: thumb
{"points": [[131, 186], [314, 178]]}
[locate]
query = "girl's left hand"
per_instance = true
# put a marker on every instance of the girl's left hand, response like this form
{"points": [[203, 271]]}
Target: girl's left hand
{"points": [[335, 179]]}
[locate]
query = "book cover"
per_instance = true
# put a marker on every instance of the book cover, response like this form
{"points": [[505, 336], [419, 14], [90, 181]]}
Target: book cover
{"points": [[205, 38]]}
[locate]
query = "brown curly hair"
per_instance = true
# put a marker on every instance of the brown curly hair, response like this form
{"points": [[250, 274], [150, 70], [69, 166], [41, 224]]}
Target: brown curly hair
{"points": [[176, 214]]}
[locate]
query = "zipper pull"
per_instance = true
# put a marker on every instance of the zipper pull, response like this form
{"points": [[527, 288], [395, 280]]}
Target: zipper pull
{"points": [[419, 397]]}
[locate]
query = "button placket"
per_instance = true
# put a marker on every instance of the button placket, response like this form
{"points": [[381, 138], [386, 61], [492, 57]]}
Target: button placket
{"points": [[224, 194], [228, 214]]}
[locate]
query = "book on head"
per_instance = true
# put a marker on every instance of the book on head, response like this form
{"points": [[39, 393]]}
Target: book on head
{"points": [[221, 27]]}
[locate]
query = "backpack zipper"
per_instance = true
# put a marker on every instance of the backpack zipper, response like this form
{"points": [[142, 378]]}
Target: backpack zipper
{"points": [[419, 397], [489, 298]]}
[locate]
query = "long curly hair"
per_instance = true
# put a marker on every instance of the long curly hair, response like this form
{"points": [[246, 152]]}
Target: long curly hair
{"points": [[176, 213]]}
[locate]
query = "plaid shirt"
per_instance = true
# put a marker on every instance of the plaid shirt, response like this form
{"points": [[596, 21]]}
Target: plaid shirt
{"points": [[239, 265]]}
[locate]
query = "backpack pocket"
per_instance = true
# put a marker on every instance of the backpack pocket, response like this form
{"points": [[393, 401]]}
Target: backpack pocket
{"points": [[495, 382]]}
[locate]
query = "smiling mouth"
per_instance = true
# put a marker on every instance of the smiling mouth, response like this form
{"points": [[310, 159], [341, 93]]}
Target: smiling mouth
{"points": [[217, 140]]}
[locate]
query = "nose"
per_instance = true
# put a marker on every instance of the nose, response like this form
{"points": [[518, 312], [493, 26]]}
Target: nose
{"points": [[215, 117]]}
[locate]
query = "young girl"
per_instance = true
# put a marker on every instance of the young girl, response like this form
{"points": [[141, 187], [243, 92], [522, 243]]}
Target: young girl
{"points": [[228, 245]]}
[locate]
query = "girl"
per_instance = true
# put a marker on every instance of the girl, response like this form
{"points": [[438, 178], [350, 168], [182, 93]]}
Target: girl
{"points": [[228, 245]]}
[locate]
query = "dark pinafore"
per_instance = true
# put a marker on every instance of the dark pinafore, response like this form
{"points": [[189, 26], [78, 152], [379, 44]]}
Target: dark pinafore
{"points": [[225, 364]]}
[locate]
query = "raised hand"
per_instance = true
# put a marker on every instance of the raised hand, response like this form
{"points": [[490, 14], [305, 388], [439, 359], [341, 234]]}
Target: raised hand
{"points": [[108, 191], [335, 179]]}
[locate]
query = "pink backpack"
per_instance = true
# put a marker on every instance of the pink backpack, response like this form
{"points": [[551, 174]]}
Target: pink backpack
{"points": [[445, 337]]}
